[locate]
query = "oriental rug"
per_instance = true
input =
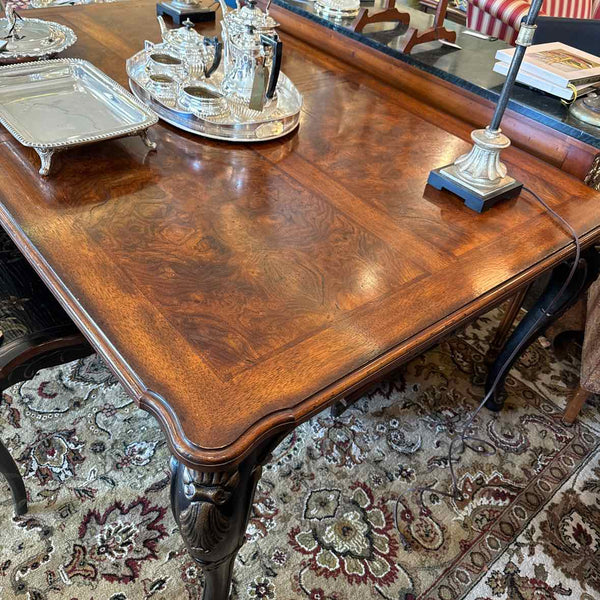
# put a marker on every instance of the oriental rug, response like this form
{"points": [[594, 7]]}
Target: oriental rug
{"points": [[527, 525]]}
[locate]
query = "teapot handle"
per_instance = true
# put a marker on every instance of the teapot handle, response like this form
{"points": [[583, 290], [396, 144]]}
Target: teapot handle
{"points": [[276, 66], [213, 41]]}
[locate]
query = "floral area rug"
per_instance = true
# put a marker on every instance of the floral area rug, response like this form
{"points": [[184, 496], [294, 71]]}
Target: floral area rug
{"points": [[527, 525]]}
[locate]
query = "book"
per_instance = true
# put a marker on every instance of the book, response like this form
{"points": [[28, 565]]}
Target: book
{"points": [[557, 63], [538, 83]]}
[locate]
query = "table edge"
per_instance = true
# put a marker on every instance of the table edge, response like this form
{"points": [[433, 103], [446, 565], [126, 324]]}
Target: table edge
{"points": [[281, 421]]}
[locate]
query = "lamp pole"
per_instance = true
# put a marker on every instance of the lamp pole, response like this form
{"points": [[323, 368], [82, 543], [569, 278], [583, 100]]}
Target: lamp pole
{"points": [[479, 177], [515, 64]]}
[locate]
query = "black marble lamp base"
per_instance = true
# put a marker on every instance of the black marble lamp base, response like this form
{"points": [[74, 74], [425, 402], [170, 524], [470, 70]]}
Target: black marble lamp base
{"points": [[203, 12], [472, 200]]}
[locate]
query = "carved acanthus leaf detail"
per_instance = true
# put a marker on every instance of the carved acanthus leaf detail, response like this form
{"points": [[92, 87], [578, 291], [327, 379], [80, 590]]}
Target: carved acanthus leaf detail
{"points": [[204, 526], [593, 177], [206, 522]]}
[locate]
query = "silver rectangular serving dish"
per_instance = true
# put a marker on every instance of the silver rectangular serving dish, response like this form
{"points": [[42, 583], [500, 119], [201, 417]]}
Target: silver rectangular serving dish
{"points": [[53, 105]]}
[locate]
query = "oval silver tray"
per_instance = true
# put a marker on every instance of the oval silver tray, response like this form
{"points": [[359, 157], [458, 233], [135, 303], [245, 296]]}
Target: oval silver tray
{"points": [[38, 39], [227, 127]]}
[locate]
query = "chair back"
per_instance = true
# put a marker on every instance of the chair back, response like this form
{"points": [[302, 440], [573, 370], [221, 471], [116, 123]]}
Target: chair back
{"points": [[500, 18], [583, 34], [571, 9]]}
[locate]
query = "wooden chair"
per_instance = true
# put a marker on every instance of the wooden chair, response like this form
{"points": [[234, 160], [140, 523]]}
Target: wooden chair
{"points": [[35, 333]]}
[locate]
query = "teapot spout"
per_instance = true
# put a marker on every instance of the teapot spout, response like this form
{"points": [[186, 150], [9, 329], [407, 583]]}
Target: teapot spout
{"points": [[163, 26]]}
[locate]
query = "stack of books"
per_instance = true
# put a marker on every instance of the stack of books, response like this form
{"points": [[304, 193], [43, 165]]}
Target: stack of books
{"points": [[554, 68]]}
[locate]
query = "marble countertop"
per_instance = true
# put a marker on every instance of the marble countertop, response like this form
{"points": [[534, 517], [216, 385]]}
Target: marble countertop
{"points": [[470, 67]]}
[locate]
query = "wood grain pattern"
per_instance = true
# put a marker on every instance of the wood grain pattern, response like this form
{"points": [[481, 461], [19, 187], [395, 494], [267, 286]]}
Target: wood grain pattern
{"points": [[238, 290]]}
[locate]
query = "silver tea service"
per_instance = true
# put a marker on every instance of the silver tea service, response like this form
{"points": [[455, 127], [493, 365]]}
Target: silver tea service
{"points": [[231, 90]]}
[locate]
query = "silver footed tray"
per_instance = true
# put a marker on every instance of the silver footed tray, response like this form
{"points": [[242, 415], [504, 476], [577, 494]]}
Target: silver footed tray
{"points": [[54, 105], [28, 39], [231, 123]]}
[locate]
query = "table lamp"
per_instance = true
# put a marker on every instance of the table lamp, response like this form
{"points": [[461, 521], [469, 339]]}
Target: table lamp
{"points": [[479, 177], [194, 10]]}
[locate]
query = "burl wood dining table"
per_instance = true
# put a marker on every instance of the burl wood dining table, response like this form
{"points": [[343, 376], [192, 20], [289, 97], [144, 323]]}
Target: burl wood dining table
{"points": [[238, 290]]}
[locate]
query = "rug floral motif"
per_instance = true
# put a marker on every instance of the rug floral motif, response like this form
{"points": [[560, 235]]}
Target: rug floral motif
{"points": [[341, 512]]}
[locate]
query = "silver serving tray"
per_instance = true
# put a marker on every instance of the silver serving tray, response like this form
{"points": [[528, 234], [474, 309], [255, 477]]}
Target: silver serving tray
{"points": [[53, 105], [37, 40], [226, 127]]}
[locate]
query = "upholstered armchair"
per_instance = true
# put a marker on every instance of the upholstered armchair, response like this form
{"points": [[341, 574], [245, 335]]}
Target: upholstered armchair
{"points": [[590, 357], [502, 18]]}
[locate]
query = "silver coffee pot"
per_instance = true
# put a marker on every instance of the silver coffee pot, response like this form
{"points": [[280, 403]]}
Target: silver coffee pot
{"points": [[251, 56], [253, 70]]}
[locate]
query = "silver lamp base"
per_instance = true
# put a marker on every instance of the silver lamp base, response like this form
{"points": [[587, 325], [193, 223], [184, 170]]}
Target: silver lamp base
{"points": [[587, 109], [180, 11], [337, 9], [479, 177]]}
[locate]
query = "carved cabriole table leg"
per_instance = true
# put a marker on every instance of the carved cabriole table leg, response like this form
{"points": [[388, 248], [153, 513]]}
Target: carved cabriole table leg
{"points": [[593, 177], [212, 509]]}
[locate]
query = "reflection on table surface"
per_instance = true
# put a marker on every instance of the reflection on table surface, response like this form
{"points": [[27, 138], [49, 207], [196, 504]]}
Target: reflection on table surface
{"points": [[469, 67]]}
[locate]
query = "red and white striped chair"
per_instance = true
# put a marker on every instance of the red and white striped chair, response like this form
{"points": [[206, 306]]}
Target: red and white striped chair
{"points": [[502, 18]]}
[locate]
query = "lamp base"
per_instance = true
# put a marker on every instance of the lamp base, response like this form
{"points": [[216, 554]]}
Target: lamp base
{"points": [[203, 11], [587, 109], [441, 179]]}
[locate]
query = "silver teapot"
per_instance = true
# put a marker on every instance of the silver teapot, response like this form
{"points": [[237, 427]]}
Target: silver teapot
{"points": [[201, 55]]}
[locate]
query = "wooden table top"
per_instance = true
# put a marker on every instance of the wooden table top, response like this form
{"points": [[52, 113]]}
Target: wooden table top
{"points": [[239, 289]]}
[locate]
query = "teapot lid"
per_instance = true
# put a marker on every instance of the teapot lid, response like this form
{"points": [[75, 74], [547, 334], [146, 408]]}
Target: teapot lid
{"points": [[184, 38], [250, 14], [247, 38]]}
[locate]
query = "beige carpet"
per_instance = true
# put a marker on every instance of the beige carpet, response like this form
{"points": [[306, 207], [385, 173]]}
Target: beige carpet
{"points": [[322, 526]]}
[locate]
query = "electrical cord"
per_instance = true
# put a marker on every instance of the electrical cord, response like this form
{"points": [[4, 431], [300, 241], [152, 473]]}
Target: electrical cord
{"points": [[463, 440]]}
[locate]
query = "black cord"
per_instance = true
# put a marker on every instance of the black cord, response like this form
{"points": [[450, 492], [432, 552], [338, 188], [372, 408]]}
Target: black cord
{"points": [[478, 445]]}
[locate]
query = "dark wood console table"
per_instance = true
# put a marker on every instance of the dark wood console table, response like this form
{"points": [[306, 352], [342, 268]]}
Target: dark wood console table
{"points": [[238, 290]]}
